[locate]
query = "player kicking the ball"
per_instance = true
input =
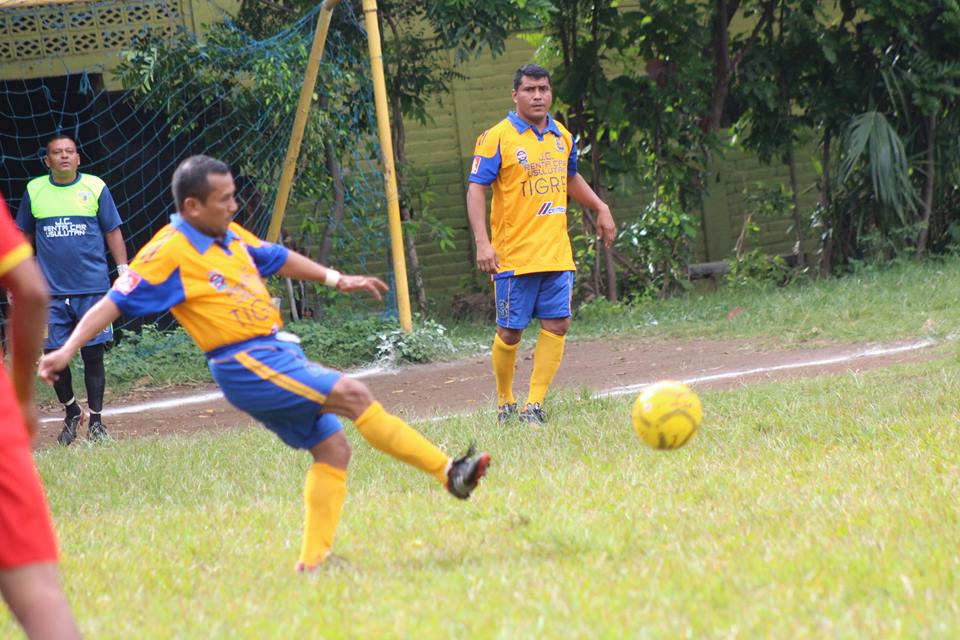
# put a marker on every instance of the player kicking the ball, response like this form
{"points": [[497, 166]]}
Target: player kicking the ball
{"points": [[209, 272]]}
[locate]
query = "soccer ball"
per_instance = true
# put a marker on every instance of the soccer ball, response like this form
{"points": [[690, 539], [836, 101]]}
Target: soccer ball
{"points": [[667, 414]]}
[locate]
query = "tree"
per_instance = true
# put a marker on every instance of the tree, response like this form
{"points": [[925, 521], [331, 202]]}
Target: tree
{"points": [[423, 42], [768, 93]]}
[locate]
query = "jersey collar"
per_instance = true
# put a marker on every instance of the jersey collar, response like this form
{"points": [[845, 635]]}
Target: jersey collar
{"points": [[200, 241], [522, 125], [64, 184]]}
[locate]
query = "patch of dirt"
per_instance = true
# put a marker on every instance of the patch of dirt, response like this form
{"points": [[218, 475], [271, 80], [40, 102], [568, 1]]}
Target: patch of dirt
{"points": [[424, 391]]}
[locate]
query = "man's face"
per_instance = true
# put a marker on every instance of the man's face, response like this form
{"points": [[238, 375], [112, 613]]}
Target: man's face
{"points": [[533, 98], [62, 158], [213, 215]]}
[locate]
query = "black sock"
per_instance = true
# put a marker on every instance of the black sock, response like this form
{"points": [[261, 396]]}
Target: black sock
{"points": [[94, 376], [73, 408], [95, 418]]}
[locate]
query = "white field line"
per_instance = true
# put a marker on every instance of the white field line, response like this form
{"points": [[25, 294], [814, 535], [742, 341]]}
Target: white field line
{"points": [[604, 393], [743, 373]]}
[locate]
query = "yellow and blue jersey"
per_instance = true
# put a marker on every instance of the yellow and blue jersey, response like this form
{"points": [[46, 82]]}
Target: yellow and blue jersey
{"points": [[528, 170], [214, 287]]}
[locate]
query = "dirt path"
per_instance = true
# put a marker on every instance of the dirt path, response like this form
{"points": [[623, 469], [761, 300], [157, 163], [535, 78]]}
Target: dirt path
{"points": [[609, 367]]}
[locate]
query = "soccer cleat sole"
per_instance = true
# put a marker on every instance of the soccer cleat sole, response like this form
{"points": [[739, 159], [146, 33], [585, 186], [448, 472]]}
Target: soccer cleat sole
{"points": [[480, 470], [482, 465]]}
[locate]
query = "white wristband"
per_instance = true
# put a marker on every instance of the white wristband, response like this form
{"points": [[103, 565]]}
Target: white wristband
{"points": [[122, 270], [332, 277]]}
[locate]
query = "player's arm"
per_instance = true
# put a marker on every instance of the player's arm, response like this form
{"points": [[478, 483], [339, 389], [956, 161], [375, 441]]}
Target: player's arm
{"points": [[487, 260], [300, 267], [100, 316], [579, 190], [109, 219], [118, 249], [27, 323]]}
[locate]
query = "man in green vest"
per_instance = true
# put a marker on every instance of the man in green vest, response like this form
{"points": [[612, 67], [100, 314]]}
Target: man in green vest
{"points": [[69, 215]]}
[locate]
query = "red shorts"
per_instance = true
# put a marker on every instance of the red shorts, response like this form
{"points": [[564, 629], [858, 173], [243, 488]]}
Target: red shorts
{"points": [[26, 532]]}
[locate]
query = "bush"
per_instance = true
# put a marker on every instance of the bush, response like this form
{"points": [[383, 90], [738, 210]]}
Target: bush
{"points": [[757, 268], [155, 357], [372, 340], [654, 250]]}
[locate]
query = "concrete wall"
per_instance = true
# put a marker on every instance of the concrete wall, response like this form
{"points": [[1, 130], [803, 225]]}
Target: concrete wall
{"points": [[47, 38]]}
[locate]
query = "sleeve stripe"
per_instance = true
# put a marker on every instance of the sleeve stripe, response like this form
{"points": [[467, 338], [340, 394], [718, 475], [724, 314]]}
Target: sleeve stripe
{"points": [[13, 258]]}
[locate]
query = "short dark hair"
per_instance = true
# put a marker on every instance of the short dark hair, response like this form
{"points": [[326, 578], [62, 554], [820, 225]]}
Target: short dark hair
{"points": [[59, 136], [530, 71], [190, 178]]}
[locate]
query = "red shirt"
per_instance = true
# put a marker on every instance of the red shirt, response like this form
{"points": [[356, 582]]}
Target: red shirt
{"points": [[14, 249]]}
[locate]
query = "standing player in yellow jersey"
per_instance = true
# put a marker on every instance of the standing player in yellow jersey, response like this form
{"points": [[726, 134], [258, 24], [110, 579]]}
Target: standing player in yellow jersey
{"points": [[209, 272], [531, 161]]}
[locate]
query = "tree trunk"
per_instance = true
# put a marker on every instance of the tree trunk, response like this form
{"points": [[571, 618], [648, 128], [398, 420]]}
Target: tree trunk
{"points": [[720, 43], [826, 197], [398, 134], [724, 65], [928, 188], [406, 215], [597, 186], [336, 213], [795, 202]]}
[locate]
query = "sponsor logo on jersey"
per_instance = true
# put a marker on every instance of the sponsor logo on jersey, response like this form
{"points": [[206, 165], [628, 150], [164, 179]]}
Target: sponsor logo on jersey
{"points": [[84, 197], [127, 283], [547, 209], [476, 164], [217, 280], [522, 156], [64, 229]]}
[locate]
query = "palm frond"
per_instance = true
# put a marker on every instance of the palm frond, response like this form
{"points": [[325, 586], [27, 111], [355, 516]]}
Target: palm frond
{"points": [[875, 147]]}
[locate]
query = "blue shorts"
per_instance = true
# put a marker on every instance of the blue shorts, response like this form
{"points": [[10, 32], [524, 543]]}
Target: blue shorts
{"points": [[532, 295], [63, 315], [273, 381]]}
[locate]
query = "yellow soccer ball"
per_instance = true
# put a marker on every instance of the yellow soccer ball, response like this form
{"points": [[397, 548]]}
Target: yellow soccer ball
{"points": [[667, 414]]}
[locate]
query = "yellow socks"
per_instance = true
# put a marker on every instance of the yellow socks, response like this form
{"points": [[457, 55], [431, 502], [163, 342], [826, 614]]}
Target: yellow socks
{"points": [[390, 434], [323, 495], [504, 363], [326, 487], [546, 362]]}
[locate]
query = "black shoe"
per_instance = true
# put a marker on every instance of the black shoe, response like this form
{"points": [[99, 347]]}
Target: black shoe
{"points": [[465, 472], [505, 412], [533, 413], [97, 432], [69, 432]]}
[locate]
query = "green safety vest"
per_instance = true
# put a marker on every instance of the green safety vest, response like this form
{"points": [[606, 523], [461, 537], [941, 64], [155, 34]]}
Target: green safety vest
{"points": [[48, 200]]}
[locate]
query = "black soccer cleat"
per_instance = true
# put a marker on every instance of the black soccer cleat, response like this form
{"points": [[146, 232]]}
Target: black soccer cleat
{"points": [[97, 432], [506, 412], [533, 414], [69, 432], [465, 472]]}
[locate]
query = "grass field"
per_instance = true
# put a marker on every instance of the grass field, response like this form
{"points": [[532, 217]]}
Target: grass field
{"points": [[824, 507]]}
